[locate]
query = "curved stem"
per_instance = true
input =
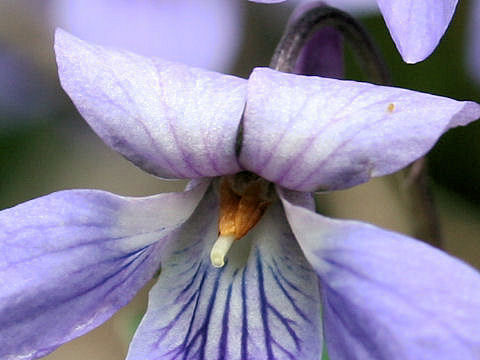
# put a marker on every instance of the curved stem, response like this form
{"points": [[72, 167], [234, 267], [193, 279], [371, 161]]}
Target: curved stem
{"points": [[412, 182]]}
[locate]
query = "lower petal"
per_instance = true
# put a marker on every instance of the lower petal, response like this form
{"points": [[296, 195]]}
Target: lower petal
{"points": [[263, 304], [69, 260], [387, 296]]}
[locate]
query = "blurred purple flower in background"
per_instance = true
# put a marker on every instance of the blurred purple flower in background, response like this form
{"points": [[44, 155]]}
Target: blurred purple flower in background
{"points": [[207, 34], [416, 27], [473, 44], [69, 260], [25, 93]]}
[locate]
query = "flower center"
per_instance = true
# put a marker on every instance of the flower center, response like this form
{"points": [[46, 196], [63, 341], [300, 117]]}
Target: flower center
{"points": [[244, 198]]}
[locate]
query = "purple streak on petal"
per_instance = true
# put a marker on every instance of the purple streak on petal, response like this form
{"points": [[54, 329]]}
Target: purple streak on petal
{"points": [[308, 133], [387, 296], [198, 33], [264, 306], [417, 26], [71, 259], [169, 119]]}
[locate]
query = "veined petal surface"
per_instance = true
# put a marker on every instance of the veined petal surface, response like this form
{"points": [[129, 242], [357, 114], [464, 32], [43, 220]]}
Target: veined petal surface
{"points": [[70, 259], [387, 296], [416, 26], [309, 133], [171, 120], [263, 304]]}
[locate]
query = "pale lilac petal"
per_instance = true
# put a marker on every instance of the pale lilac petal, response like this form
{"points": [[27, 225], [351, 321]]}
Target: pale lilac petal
{"points": [[417, 26], [69, 260], [387, 296], [206, 34], [169, 119], [309, 133], [263, 307]]}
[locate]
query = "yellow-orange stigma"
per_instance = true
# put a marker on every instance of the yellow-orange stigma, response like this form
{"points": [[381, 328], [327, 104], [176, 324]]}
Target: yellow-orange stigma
{"points": [[238, 214]]}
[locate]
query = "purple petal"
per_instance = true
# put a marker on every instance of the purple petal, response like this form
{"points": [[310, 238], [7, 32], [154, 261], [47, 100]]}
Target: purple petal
{"points": [[266, 306], [169, 119], [308, 133], [417, 26], [71, 259], [199, 33], [387, 296]]}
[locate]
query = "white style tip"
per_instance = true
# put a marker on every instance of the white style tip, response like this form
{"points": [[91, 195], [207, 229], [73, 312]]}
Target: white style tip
{"points": [[220, 249]]}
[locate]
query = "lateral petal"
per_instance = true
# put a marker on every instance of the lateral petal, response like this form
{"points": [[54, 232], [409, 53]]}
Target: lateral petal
{"points": [[263, 304], [309, 133], [171, 120], [387, 296], [70, 259]]}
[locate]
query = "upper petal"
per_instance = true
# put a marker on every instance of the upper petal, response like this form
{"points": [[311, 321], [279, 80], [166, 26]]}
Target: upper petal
{"points": [[169, 119], [387, 296], [308, 133], [69, 260], [417, 26], [266, 306]]}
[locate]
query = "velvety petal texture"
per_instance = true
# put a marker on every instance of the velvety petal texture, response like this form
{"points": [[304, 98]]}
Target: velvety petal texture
{"points": [[171, 120], [387, 296], [263, 304], [206, 34], [310, 133], [69, 260], [417, 26]]}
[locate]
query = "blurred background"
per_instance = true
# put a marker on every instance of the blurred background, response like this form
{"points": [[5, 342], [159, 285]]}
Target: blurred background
{"points": [[45, 146]]}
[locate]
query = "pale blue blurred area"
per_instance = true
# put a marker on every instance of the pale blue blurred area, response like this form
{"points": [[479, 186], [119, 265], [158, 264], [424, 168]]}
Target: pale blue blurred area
{"points": [[206, 34]]}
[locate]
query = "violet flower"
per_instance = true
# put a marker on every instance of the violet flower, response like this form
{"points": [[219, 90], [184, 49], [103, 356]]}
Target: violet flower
{"points": [[416, 26], [70, 259]]}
